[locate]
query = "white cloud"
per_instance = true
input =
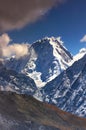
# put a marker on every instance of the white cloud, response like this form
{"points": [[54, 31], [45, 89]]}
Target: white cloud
{"points": [[6, 50], [83, 39], [4, 40]]}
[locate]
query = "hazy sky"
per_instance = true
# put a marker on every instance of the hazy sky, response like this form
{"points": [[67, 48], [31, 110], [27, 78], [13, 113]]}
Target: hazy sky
{"points": [[67, 20]]}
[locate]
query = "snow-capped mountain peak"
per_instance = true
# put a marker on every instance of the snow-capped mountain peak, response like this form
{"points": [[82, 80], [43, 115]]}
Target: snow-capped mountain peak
{"points": [[78, 56], [83, 50], [81, 53], [46, 60]]}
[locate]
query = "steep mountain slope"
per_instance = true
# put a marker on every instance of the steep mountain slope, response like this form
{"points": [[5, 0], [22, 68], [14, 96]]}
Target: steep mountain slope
{"points": [[21, 112], [47, 58], [68, 90], [17, 82]]}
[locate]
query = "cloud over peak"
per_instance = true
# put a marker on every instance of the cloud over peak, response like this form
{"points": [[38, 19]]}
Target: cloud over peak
{"points": [[15, 14]]}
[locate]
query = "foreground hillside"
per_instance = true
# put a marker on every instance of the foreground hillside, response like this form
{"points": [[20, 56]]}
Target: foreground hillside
{"points": [[21, 112]]}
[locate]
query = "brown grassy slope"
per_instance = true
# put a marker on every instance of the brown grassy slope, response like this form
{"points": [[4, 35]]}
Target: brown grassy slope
{"points": [[25, 108]]}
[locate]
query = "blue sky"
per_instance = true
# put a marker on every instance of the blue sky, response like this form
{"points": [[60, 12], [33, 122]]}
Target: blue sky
{"points": [[68, 20]]}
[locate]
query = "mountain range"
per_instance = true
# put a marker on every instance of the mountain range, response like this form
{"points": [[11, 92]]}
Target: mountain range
{"points": [[50, 73]]}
